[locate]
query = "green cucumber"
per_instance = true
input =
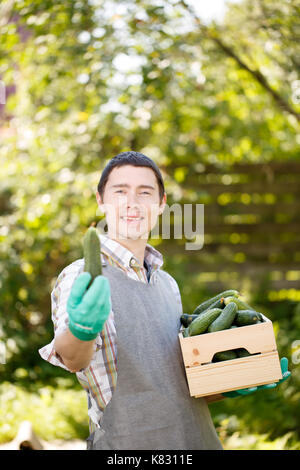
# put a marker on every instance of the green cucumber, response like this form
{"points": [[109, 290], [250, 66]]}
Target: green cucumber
{"points": [[220, 303], [201, 323], [185, 332], [208, 303], [92, 253], [186, 319], [224, 356], [225, 319], [247, 317], [240, 303], [242, 352]]}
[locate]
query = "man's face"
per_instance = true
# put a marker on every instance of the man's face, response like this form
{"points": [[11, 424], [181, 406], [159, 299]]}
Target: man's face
{"points": [[131, 202]]}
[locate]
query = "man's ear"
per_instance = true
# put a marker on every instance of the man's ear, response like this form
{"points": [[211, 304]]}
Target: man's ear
{"points": [[101, 204], [163, 204]]}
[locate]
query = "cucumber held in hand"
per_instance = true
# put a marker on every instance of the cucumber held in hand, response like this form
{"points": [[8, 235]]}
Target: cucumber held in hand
{"points": [[225, 319], [201, 323], [92, 253], [208, 303]]}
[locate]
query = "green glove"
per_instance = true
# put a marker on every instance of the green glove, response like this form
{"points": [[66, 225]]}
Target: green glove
{"points": [[246, 391], [88, 309]]}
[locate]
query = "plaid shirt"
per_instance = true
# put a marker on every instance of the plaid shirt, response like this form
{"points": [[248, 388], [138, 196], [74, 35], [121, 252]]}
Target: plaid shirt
{"points": [[100, 377]]}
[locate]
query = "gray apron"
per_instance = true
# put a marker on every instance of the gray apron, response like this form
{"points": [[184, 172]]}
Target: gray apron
{"points": [[150, 408]]}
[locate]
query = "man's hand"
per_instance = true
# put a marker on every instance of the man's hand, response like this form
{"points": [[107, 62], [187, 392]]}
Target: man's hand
{"points": [[247, 391], [89, 309]]}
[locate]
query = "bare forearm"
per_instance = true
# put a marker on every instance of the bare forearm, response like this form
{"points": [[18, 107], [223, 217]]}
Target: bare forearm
{"points": [[75, 354]]}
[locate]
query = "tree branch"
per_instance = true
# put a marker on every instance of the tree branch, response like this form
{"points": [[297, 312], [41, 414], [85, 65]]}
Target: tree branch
{"points": [[256, 74], [259, 77]]}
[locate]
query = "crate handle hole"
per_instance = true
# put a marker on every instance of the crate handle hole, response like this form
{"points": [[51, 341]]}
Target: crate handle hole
{"points": [[230, 354]]}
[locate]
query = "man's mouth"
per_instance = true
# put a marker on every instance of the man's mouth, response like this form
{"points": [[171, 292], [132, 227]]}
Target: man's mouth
{"points": [[132, 219]]}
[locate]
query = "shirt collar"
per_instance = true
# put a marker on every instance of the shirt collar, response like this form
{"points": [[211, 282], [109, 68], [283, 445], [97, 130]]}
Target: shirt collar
{"points": [[125, 257]]}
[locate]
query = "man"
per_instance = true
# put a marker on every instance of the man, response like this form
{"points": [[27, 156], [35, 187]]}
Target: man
{"points": [[120, 336]]}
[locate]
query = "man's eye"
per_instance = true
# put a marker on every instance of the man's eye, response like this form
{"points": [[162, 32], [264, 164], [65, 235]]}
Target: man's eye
{"points": [[121, 191]]}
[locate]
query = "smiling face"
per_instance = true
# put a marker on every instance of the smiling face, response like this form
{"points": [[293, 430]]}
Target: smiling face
{"points": [[131, 202]]}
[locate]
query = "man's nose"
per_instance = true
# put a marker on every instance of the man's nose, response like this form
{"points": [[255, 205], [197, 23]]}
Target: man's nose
{"points": [[131, 199]]}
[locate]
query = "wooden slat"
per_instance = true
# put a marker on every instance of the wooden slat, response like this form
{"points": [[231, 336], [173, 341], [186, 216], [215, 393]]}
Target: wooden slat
{"points": [[250, 219], [261, 209], [250, 249], [218, 286], [276, 167], [240, 373], [210, 178], [262, 228], [247, 268], [284, 284], [216, 189], [291, 166]]}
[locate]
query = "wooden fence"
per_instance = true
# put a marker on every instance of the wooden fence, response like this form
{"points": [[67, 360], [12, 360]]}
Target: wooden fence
{"points": [[251, 224]]}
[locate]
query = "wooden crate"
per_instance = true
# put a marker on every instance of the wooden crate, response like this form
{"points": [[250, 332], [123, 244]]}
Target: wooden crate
{"points": [[209, 378]]}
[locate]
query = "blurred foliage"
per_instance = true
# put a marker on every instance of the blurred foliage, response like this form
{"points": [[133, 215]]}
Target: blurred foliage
{"points": [[87, 80], [58, 412]]}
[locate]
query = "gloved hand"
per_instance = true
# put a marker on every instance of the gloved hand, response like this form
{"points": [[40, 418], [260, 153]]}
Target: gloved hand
{"points": [[88, 309], [246, 391]]}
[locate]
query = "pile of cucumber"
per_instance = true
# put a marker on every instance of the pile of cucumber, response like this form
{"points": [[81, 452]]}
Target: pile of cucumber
{"points": [[221, 312]]}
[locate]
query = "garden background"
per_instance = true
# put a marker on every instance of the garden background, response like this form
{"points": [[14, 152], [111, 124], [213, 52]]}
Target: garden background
{"points": [[216, 103]]}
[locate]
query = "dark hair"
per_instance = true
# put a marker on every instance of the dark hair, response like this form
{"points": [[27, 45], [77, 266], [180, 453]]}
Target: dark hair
{"points": [[134, 159]]}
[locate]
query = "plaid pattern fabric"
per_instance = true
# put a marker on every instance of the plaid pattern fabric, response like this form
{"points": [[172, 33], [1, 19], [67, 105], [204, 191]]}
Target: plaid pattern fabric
{"points": [[100, 377]]}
